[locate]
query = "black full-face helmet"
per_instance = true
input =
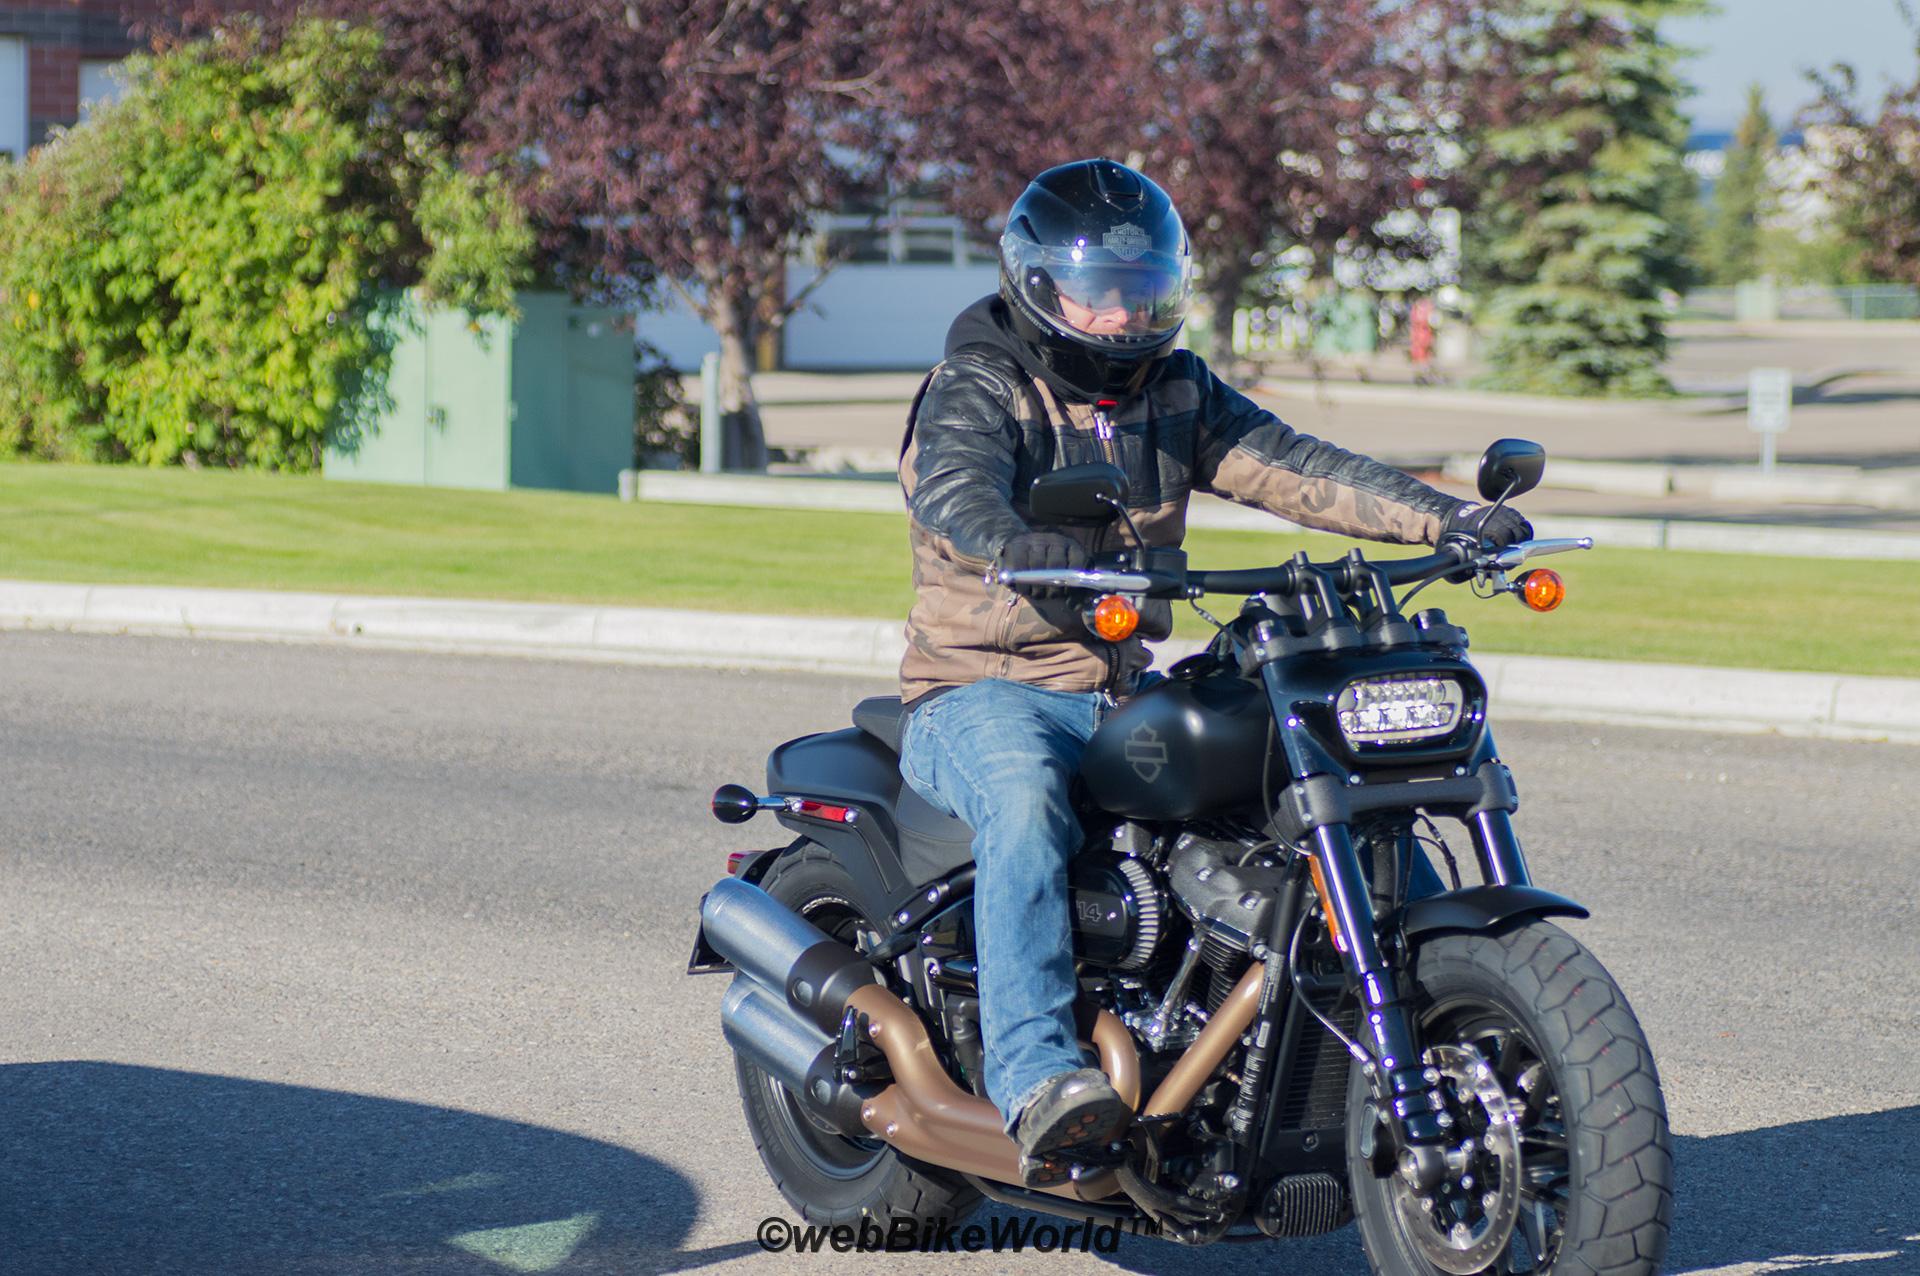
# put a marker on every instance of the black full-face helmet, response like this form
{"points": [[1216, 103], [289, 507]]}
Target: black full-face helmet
{"points": [[1097, 275]]}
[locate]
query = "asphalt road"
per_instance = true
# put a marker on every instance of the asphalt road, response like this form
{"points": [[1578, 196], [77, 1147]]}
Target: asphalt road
{"points": [[329, 961]]}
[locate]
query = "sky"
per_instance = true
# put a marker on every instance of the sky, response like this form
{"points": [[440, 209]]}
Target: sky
{"points": [[1772, 42]]}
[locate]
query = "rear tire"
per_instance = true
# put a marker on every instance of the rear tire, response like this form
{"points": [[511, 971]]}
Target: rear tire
{"points": [[1595, 1157], [828, 1177]]}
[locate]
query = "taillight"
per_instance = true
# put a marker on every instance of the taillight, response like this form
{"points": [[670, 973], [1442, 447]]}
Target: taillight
{"points": [[735, 860], [823, 811]]}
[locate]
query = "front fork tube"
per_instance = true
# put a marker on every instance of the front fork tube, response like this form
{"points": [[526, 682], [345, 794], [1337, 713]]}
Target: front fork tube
{"points": [[1418, 1114], [1498, 850], [1419, 1118]]}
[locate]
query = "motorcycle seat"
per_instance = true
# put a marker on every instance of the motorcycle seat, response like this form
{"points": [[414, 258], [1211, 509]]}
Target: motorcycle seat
{"points": [[932, 843], [882, 717]]}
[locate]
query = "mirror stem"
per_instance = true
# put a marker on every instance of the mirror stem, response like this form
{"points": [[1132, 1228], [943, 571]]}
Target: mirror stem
{"points": [[1120, 507], [1489, 511]]}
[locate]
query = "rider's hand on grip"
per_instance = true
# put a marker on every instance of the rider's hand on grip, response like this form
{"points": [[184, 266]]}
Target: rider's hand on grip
{"points": [[1042, 551], [1465, 546], [1496, 530]]}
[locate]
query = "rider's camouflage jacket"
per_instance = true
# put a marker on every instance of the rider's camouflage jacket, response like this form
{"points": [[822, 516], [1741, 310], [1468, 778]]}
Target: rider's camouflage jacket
{"points": [[980, 431]]}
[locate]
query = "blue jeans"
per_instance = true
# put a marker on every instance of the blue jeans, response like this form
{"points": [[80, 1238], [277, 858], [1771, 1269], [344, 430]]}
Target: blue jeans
{"points": [[1000, 755]]}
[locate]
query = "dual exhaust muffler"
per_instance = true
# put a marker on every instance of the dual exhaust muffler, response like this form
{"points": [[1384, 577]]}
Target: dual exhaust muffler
{"points": [[784, 1009], [784, 1014]]}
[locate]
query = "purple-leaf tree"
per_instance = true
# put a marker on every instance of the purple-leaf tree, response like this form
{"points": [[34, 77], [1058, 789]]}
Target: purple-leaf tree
{"points": [[1872, 161], [1271, 122], [1286, 122], [690, 144]]}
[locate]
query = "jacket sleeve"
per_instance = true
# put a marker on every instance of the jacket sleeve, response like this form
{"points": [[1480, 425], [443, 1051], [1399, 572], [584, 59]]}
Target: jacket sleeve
{"points": [[1248, 455], [958, 467]]}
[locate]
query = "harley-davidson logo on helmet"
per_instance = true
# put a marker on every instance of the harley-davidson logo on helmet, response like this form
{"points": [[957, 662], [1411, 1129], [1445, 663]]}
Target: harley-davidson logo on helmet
{"points": [[1126, 241]]}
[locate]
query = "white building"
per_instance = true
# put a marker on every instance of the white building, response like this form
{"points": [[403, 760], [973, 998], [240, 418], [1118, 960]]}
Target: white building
{"points": [[886, 306]]}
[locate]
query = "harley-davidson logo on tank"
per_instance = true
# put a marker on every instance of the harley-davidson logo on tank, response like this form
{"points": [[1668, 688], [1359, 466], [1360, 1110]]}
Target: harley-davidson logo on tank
{"points": [[1147, 752]]}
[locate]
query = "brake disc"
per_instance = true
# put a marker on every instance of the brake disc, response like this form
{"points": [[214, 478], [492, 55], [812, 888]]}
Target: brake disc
{"points": [[1464, 1225]]}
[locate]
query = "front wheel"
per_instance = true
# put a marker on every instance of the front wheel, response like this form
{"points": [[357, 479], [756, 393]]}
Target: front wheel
{"points": [[1560, 1162]]}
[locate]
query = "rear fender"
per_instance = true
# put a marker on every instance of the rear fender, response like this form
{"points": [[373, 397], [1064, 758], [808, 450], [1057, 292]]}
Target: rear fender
{"points": [[705, 960], [851, 768]]}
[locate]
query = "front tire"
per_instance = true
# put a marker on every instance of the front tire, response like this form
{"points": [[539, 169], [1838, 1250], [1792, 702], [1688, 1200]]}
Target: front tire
{"points": [[828, 1177], [1594, 1167]]}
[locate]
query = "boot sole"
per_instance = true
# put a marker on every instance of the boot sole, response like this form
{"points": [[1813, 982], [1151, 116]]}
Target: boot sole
{"points": [[1088, 1129]]}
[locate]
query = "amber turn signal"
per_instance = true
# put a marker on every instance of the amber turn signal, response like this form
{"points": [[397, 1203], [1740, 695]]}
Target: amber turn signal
{"points": [[1114, 618], [1542, 590]]}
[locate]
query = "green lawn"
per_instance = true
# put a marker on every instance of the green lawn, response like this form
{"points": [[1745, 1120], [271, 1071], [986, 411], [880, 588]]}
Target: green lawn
{"points": [[124, 525]]}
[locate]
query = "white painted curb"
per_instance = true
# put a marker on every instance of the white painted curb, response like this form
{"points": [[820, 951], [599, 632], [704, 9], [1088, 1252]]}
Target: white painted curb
{"points": [[1829, 705]]}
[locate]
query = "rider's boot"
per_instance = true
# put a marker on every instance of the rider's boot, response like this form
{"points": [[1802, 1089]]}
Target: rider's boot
{"points": [[1075, 1113]]}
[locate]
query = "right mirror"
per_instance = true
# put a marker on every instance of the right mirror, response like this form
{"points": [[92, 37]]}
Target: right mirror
{"points": [[1510, 467]]}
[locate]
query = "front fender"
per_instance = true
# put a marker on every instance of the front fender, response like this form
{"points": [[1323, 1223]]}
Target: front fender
{"points": [[1482, 908]]}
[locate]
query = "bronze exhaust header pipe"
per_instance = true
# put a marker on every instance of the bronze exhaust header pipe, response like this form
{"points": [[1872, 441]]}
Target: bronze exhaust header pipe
{"points": [[1177, 1089], [929, 1117]]}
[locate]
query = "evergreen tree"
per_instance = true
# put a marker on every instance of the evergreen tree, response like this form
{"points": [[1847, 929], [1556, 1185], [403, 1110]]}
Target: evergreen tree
{"points": [[1742, 197], [1579, 138]]}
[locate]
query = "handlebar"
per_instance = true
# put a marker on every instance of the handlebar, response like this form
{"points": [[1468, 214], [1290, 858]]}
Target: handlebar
{"points": [[1288, 578]]}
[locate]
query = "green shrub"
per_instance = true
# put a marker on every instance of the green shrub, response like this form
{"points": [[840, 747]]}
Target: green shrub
{"points": [[194, 274]]}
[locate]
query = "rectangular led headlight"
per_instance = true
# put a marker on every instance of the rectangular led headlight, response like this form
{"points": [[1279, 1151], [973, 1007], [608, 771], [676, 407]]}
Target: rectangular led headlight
{"points": [[1399, 707]]}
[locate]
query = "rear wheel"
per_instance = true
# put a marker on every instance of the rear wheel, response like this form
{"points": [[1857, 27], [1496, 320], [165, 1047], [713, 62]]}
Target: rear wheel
{"points": [[827, 1176], [1561, 1161]]}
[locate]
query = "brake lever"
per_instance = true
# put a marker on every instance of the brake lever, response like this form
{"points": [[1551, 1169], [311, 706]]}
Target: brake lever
{"points": [[1520, 551]]}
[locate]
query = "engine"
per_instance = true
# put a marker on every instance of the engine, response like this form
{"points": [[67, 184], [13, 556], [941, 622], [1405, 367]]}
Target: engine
{"points": [[1231, 903]]}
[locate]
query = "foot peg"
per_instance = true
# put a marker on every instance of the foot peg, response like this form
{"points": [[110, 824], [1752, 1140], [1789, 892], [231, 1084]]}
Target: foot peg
{"points": [[1071, 1165]]}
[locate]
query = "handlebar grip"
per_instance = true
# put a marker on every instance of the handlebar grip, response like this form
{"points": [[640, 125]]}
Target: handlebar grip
{"points": [[1455, 550]]}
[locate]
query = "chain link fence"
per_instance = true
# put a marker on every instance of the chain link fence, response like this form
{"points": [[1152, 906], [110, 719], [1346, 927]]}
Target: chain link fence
{"points": [[1760, 300]]}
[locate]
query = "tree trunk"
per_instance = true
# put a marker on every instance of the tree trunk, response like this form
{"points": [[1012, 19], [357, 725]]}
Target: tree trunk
{"points": [[1223, 285], [745, 440]]}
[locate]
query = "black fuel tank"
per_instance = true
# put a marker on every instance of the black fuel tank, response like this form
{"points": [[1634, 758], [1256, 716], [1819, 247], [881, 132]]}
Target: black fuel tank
{"points": [[1184, 748]]}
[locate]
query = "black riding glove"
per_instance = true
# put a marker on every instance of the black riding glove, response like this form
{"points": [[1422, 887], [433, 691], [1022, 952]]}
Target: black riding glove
{"points": [[1041, 551], [1504, 527]]}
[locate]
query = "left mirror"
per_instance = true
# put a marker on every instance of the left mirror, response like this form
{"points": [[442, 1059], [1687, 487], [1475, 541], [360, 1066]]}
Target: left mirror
{"points": [[1078, 494]]}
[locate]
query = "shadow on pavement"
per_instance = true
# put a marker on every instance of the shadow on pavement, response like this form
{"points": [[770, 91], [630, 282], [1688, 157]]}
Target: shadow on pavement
{"points": [[1837, 1197], [111, 1168]]}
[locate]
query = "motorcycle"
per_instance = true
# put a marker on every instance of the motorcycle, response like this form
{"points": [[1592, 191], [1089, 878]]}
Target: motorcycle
{"points": [[1311, 1025]]}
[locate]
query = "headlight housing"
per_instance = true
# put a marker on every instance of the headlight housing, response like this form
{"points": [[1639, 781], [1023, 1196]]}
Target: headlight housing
{"points": [[1398, 708]]}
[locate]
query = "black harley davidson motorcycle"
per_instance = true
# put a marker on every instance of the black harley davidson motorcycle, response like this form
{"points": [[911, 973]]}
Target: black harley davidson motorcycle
{"points": [[1312, 1025]]}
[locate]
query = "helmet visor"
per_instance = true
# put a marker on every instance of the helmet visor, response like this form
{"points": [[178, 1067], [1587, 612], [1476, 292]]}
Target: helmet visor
{"points": [[1121, 291]]}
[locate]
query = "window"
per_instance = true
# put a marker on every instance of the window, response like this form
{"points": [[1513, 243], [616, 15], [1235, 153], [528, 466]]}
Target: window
{"points": [[13, 97], [101, 83], [910, 232], [856, 243]]}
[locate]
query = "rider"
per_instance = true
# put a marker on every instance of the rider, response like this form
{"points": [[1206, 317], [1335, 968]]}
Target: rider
{"points": [[1073, 361]]}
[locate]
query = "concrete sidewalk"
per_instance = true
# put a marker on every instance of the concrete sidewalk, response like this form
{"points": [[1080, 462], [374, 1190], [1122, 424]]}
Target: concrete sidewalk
{"points": [[1890, 488], [1741, 700], [880, 494]]}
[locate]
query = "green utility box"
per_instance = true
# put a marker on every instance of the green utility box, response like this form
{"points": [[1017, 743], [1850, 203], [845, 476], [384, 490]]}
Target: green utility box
{"points": [[546, 401]]}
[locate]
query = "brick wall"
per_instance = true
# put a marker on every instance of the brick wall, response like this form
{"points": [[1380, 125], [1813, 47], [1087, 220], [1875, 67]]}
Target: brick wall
{"points": [[62, 33], [53, 86]]}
